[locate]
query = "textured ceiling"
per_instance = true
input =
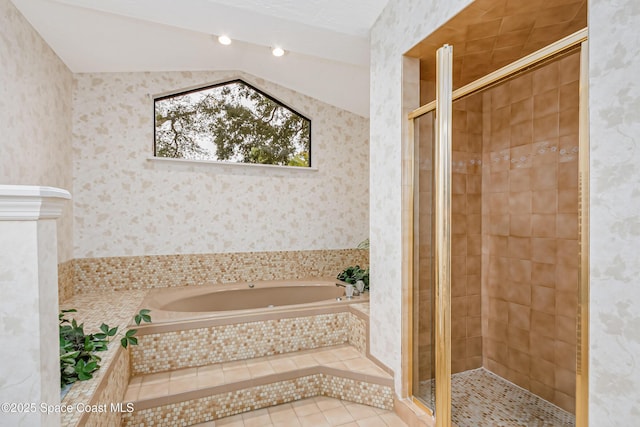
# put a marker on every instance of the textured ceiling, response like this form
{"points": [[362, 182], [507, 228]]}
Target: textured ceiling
{"points": [[490, 34], [353, 17]]}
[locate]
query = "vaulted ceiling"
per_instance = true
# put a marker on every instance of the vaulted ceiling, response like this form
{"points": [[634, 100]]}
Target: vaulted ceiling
{"points": [[327, 41]]}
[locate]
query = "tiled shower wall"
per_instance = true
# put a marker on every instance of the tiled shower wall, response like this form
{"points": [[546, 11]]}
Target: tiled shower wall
{"points": [[530, 230], [466, 235]]}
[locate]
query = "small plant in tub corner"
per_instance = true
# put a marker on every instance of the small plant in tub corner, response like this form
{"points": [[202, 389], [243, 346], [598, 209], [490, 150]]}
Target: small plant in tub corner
{"points": [[353, 274]]}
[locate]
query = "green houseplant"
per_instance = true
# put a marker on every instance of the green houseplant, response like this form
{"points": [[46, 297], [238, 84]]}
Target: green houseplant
{"points": [[78, 358], [353, 274]]}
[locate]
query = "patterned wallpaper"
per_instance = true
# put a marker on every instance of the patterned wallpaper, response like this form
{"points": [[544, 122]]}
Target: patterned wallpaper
{"points": [[126, 204], [35, 114], [402, 24], [615, 201], [614, 50]]}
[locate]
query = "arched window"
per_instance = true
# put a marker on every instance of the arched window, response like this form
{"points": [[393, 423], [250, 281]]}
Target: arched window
{"points": [[231, 122]]}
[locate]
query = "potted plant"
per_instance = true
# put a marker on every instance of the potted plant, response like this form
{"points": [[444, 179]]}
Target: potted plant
{"points": [[353, 274]]}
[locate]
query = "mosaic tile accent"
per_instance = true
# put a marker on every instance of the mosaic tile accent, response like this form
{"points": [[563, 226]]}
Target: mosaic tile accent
{"points": [[142, 272], [376, 395], [225, 404], [93, 310], [358, 329], [65, 281], [204, 346], [235, 402], [316, 411], [115, 385], [482, 399]]}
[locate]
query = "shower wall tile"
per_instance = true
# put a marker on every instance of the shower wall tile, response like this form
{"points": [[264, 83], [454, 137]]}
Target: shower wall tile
{"points": [[151, 207], [467, 226], [531, 217]]}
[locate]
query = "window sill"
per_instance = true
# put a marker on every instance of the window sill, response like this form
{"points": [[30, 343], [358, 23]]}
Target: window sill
{"points": [[231, 165]]}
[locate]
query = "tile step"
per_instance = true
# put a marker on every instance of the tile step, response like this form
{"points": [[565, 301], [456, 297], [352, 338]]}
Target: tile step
{"points": [[343, 361]]}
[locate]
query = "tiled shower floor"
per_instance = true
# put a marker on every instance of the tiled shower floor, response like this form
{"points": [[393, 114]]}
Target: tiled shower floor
{"points": [[482, 399]]}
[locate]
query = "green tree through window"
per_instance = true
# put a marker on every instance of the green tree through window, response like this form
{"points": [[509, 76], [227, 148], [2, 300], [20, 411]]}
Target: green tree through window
{"points": [[232, 122]]}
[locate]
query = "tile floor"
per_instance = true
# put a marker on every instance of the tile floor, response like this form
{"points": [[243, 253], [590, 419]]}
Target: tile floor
{"points": [[483, 399], [312, 412]]}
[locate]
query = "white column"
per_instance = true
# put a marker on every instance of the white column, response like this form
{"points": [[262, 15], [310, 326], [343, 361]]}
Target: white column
{"points": [[29, 354]]}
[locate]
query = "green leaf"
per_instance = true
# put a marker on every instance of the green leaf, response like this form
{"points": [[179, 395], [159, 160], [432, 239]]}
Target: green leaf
{"points": [[144, 312], [113, 331], [137, 319], [130, 333], [124, 342], [133, 340], [104, 328]]}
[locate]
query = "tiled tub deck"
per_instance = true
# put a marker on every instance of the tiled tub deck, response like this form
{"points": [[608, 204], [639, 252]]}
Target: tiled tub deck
{"points": [[171, 380]]}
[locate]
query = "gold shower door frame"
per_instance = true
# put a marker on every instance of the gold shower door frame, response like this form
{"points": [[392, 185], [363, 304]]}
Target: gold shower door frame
{"points": [[442, 107]]}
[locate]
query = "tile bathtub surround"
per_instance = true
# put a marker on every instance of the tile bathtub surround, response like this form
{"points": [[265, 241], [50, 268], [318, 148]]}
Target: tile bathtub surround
{"points": [[167, 351], [154, 271], [65, 281], [110, 381]]}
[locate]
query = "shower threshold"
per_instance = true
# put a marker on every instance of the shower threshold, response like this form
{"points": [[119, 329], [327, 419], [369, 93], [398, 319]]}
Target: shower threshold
{"points": [[480, 398]]}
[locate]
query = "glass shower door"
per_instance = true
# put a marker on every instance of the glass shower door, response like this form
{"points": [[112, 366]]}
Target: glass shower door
{"points": [[423, 380]]}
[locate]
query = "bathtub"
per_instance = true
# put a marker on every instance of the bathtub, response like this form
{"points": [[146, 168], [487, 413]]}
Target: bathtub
{"points": [[264, 299]]}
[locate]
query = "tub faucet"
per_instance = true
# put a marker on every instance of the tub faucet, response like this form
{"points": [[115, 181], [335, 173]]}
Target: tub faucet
{"points": [[355, 291]]}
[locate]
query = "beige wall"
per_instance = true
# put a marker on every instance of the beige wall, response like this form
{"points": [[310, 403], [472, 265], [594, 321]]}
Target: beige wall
{"points": [[35, 114], [530, 230], [126, 204]]}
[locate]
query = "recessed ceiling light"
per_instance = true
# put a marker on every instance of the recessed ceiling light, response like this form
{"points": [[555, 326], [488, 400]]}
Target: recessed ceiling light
{"points": [[277, 51], [224, 40]]}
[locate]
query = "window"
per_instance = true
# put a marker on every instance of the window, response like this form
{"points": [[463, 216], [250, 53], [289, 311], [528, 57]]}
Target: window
{"points": [[231, 122]]}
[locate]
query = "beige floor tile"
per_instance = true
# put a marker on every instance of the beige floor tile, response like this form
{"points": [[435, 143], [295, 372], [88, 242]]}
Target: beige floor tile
{"points": [[360, 412], [392, 420], [260, 369], [346, 353], [351, 424], [305, 407], [234, 421], [234, 365], [237, 374], [150, 391], [282, 365], [304, 361], [259, 418], [372, 422], [293, 422], [210, 379], [184, 373], [156, 378], [136, 380], [183, 384], [315, 420], [325, 403], [338, 416], [132, 393], [323, 357]]}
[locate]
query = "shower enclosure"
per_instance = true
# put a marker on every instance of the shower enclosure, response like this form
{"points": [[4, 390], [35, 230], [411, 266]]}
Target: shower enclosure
{"points": [[498, 242]]}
